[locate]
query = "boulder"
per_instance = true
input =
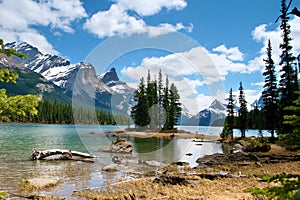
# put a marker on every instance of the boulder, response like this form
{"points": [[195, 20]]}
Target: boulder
{"points": [[111, 168], [154, 163], [121, 146], [125, 159]]}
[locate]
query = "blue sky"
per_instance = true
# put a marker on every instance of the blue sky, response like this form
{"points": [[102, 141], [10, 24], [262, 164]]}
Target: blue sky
{"points": [[231, 34]]}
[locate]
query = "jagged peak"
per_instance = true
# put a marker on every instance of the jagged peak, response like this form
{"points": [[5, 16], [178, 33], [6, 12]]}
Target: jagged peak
{"points": [[216, 104], [109, 76]]}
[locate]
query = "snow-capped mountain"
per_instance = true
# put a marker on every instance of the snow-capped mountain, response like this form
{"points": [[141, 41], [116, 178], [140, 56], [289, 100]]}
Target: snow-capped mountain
{"points": [[80, 79], [30, 82], [215, 115]]}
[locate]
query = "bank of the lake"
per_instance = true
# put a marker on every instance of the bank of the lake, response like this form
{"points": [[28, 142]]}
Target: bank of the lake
{"points": [[18, 140]]}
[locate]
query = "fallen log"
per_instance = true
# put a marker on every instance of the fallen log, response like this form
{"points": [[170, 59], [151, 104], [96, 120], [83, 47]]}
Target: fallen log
{"points": [[66, 154]]}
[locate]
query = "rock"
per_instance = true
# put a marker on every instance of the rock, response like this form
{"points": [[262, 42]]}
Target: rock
{"points": [[125, 159], [218, 159], [181, 163], [111, 168], [172, 180], [42, 182], [154, 163], [121, 146]]}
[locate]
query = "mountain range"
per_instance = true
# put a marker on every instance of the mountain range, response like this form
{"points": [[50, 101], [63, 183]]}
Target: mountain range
{"points": [[55, 78]]}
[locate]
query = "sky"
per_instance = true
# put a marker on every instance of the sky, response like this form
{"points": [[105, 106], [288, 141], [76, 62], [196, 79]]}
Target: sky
{"points": [[205, 47]]}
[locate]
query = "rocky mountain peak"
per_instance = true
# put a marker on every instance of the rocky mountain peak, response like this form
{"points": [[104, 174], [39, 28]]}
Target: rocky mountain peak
{"points": [[109, 76], [217, 105]]}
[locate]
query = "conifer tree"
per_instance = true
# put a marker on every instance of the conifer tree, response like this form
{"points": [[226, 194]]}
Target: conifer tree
{"points": [[287, 84], [152, 100], [294, 118], [160, 99], [270, 92], [166, 104], [227, 131], [139, 112], [175, 107], [243, 112]]}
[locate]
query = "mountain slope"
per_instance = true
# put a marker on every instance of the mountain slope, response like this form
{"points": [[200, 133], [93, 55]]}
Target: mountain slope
{"points": [[30, 82], [79, 79], [214, 115]]}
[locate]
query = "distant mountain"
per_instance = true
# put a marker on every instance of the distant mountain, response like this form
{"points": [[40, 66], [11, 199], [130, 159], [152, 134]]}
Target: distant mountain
{"points": [[79, 79], [30, 82], [214, 115], [259, 102]]}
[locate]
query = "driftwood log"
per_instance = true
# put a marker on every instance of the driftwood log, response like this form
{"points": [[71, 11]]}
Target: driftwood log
{"points": [[66, 155]]}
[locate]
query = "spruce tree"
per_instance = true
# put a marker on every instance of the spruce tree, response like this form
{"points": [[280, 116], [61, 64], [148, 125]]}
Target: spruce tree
{"points": [[175, 107], [160, 99], [139, 112], [287, 84], [243, 112], [270, 92], [166, 104], [227, 131], [152, 100]]}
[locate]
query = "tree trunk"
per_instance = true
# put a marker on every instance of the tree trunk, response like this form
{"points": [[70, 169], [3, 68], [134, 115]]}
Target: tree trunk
{"points": [[66, 154]]}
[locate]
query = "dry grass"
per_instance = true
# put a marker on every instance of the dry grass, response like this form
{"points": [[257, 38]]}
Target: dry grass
{"points": [[198, 188], [178, 135]]}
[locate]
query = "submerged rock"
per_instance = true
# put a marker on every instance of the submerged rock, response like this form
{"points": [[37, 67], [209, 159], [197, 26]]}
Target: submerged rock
{"points": [[43, 182], [154, 163], [125, 159], [120, 146], [111, 168]]}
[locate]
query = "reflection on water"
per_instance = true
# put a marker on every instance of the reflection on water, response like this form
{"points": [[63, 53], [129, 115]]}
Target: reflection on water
{"points": [[18, 140]]}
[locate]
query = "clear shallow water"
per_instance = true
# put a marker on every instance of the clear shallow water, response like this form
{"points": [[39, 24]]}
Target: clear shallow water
{"points": [[18, 140]]}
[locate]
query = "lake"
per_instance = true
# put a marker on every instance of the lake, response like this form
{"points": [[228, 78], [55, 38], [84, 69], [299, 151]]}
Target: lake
{"points": [[18, 140]]}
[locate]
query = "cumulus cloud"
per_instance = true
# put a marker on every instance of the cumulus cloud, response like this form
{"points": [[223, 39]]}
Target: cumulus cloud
{"points": [[262, 34], [18, 18], [151, 7], [117, 20], [233, 53]]}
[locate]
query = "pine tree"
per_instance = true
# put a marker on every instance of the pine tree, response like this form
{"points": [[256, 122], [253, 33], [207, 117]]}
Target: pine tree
{"points": [[287, 84], [166, 104], [152, 98], [270, 93], [139, 112], [293, 120], [227, 131], [175, 107], [160, 99], [243, 112]]}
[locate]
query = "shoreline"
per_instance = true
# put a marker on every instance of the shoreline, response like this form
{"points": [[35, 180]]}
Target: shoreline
{"points": [[180, 134]]}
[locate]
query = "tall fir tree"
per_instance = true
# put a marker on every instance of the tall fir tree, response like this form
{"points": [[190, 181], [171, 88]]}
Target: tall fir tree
{"points": [[243, 112], [152, 100], [166, 104], [139, 112], [270, 93], [175, 107], [160, 99], [287, 84], [227, 132]]}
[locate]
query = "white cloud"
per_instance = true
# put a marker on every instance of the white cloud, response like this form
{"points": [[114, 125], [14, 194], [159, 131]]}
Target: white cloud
{"points": [[193, 62], [151, 7], [18, 18], [113, 21], [117, 20], [262, 34], [233, 53]]}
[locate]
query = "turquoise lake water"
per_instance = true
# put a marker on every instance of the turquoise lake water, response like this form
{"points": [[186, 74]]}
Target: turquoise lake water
{"points": [[18, 140]]}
